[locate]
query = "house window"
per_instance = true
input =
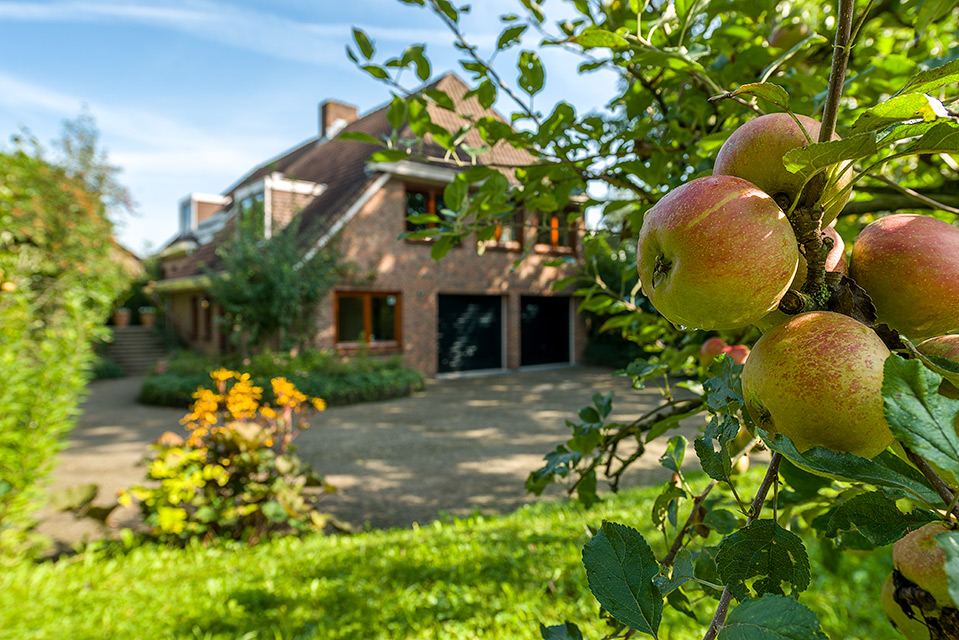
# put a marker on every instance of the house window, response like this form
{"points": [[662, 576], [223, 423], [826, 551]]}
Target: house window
{"points": [[509, 233], [553, 233], [186, 216], [367, 317], [250, 211], [422, 201]]}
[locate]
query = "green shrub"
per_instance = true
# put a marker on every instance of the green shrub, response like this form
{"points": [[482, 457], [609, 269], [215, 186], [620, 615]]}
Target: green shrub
{"points": [[103, 368], [236, 476], [316, 373], [57, 286]]}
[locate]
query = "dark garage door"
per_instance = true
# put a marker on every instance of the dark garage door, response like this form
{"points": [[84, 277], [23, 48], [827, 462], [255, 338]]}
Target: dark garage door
{"points": [[470, 333], [544, 330]]}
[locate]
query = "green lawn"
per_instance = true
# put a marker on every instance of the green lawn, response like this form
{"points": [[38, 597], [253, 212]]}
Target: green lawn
{"points": [[494, 577]]}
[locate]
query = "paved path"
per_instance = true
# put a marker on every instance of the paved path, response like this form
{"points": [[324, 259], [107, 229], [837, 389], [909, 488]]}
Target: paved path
{"points": [[462, 445]]}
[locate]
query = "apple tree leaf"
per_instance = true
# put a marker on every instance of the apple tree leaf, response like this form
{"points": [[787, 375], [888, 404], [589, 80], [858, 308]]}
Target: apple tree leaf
{"points": [[672, 458], [666, 505], [949, 541], [768, 91], [682, 572], [724, 390], [926, 81], [532, 76], [566, 631], [941, 138], [898, 109], [874, 516], [596, 37], [717, 464], [620, 568], [800, 485], [886, 470], [918, 415], [772, 617], [766, 551], [813, 158]]}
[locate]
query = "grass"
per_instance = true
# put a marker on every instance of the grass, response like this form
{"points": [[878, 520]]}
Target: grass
{"points": [[481, 577]]}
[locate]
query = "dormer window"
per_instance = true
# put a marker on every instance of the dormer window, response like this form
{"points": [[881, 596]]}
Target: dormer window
{"points": [[186, 216], [250, 211]]}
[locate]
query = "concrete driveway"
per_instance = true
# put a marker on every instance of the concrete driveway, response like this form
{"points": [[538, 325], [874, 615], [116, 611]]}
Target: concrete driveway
{"points": [[462, 445]]}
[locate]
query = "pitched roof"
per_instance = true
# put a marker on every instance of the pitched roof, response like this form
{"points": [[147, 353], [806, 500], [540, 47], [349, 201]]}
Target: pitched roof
{"points": [[341, 165]]}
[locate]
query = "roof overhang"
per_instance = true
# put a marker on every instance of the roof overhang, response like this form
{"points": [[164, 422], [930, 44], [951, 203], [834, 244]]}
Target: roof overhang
{"points": [[415, 171]]}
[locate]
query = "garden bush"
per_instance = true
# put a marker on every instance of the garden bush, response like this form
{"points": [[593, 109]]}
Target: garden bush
{"points": [[317, 373], [58, 282], [236, 475]]}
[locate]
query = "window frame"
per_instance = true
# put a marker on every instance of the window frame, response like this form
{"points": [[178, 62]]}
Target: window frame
{"points": [[517, 223], [556, 218], [367, 296], [433, 195]]}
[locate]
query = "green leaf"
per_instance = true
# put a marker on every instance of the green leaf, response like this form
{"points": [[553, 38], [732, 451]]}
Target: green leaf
{"points": [[389, 155], [802, 485], [441, 247], [813, 158], [620, 568], [931, 79], [666, 504], [772, 93], [717, 464], [274, 511], [766, 551], [772, 617], [359, 136], [363, 42], [376, 71], [396, 112], [724, 391], [722, 521], [441, 98], [448, 9], [885, 470], [532, 76], [567, 631], [895, 110], [672, 459], [455, 194], [486, 93], [876, 517], [682, 572], [510, 36], [942, 138], [919, 417], [949, 541], [595, 37]]}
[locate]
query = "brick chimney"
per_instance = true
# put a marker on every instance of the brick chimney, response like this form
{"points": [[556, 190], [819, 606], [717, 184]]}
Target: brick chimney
{"points": [[334, 116]]}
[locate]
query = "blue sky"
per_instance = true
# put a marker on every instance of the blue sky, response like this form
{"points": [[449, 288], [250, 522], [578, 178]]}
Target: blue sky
{"points": [[190, 94]]}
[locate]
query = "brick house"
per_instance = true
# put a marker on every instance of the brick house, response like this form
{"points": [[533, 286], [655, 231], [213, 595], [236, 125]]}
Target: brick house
{"points": [[465, 312]]}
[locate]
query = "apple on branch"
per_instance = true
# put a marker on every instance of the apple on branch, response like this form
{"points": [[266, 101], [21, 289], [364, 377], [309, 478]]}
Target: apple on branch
{"points": [[755, 153], [909, 266], [716, 253]]}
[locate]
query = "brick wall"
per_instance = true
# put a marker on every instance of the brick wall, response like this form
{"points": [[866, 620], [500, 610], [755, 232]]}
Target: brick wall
{"points": [[387, 264], [284, 205]]}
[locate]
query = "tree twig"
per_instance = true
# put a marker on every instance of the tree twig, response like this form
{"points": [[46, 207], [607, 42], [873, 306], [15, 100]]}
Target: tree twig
{"points": [[755, 509], [937, 483]]}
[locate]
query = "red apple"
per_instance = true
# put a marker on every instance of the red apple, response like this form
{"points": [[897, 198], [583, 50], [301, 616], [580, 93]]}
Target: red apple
{"points": [[738, 352], [817, 378], [909, 266], [711, 348], [755, 150], [920, 560], [716, 253]]}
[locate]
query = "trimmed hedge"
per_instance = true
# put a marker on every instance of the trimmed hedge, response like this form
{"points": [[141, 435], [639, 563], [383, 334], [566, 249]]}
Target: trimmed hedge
{"points": [[315, 373]]}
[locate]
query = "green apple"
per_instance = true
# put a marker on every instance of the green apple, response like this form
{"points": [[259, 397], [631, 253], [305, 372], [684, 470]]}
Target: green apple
{"points": [[788, 35], [945, 347], [920, 560], [817, 378], [716, 253], [909, 266], [755, 150]]}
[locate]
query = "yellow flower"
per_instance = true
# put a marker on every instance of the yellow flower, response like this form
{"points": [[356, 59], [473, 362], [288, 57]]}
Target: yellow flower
{"points": [[318, 403], [267, 412], [222, 375]]}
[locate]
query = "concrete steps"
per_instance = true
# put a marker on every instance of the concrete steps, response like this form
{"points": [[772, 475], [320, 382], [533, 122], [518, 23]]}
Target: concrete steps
{"points": [[135, 348]]}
